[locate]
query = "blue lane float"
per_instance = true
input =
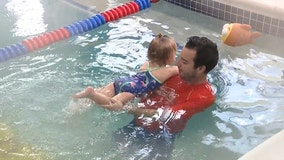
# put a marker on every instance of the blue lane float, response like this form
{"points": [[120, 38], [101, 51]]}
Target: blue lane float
{"points": [[79, 27]]}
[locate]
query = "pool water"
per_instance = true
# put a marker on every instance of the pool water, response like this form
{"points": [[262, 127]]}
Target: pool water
{"points": [[36, 88]]}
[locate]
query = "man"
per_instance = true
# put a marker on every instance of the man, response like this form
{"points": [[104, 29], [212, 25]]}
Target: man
{"points": [[166, 111]]}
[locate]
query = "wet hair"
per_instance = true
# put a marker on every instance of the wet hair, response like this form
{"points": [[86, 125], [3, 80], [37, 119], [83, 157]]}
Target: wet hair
{"points": [[206, 52], [161, 48]]}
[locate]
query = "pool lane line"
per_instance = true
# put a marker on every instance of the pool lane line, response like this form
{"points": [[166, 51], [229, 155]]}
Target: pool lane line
{"points": [[81, 6], [48, 38]]}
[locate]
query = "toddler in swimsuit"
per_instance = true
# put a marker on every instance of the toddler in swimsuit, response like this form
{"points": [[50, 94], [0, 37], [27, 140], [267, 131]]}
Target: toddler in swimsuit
{"points": [[161, 54]]}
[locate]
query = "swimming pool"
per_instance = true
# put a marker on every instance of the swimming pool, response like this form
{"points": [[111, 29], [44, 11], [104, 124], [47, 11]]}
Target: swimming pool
{"points": [[36, 88]]}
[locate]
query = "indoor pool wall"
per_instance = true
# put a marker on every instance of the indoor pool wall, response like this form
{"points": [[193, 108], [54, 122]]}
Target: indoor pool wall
{"points": [[264, 16]]}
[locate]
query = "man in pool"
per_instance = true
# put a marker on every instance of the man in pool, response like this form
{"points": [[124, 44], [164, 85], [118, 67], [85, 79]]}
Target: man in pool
{"points": [[165, 112]]}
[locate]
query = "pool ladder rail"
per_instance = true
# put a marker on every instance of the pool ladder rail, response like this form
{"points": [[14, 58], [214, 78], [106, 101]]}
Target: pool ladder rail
{"points": [[47, 38]]}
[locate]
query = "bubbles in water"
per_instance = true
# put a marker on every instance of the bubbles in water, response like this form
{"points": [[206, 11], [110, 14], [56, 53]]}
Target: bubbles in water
{"points": [[78, 106]]}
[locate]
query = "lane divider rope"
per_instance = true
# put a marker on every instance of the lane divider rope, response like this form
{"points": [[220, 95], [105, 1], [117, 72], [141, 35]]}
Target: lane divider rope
{"points": [[48, 38]]}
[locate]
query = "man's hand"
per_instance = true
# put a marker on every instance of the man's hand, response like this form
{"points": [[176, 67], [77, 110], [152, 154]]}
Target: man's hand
{"points": [[142, 112]]}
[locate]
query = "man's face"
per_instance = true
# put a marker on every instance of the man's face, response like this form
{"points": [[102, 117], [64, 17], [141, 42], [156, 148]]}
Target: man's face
{"points": [[185, 64]]}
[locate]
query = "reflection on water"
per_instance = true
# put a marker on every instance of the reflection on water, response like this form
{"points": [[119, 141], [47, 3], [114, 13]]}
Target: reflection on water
{"points": [[29, 17], [257, 77], [252, 108]]}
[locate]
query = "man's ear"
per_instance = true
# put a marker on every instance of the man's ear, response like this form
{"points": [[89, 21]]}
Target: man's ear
{"points": [[202, 69]]}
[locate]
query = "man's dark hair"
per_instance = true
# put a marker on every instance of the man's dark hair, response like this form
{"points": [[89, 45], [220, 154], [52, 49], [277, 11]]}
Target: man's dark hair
{"points": [[206, 52]]}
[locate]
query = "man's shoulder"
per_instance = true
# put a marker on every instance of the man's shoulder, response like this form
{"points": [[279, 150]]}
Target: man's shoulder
{"points": [[173, 80], [177, 82]]}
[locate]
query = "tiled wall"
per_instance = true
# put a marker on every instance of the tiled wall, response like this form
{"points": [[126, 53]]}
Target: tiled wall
{"points": [[229, 13]]}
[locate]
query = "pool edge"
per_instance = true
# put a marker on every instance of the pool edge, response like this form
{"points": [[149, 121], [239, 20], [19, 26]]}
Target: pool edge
{"points": [[271, 149]]}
